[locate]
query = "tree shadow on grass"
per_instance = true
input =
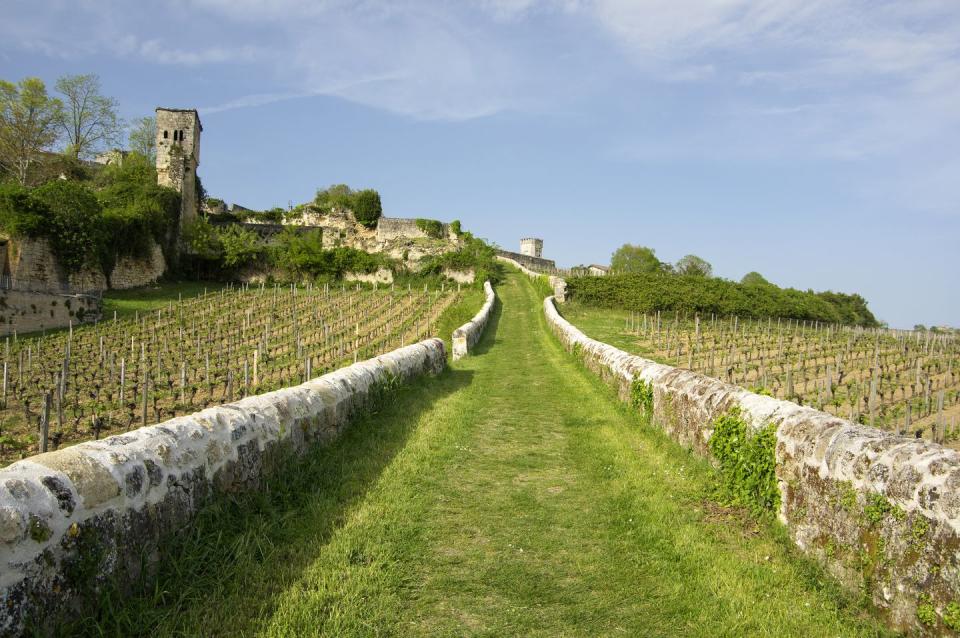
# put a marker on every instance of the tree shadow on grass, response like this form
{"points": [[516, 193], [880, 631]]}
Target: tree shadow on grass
{"points": [[250, 547]]}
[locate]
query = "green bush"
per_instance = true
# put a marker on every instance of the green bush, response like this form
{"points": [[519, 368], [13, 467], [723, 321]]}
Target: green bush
{"points": [[474, 254], [366, 207], [73, 222], [21, 214], [303, 254], [431, 227], [649, 292], [239, 246], [747, 461]]}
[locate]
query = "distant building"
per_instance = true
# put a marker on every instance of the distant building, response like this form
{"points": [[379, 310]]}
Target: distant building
{"points": [[597, 270], [531, 247]]}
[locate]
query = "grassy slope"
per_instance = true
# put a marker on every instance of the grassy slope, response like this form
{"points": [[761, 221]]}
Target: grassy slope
{"points": [[512, 495]]}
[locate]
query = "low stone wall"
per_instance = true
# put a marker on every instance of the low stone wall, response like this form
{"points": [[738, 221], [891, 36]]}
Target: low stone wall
{"points": [[467, 335], [881, 512], [557, 284], [24, 311], [72, 519]]}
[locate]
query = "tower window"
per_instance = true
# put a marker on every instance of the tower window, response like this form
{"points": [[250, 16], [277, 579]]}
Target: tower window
{"points": [[165, 134]]}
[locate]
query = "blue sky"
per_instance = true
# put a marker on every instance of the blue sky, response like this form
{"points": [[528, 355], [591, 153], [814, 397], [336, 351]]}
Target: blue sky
{"points": [[815, 141]]}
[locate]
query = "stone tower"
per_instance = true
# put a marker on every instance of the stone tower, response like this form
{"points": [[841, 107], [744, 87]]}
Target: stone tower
{"points": [[531, 247], [178, 155]]}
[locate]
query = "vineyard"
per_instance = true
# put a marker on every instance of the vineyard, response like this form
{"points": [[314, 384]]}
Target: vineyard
{"points": [[906, 382], [119, 374]]}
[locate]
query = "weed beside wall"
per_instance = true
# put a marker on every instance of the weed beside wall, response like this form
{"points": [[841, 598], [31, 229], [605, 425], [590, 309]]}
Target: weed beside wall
{"points": [[747, 461]]}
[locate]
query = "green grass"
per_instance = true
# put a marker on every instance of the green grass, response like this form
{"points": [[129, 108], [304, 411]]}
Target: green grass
{"points": [[128, 302], [512, 495]]}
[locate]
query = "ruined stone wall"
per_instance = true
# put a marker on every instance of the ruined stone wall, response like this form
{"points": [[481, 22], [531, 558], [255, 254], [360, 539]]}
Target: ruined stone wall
{"points": [[392, 228], [466, 336], [110, 503], [24, 311], [32, 263], [881, 512], [130, 272]]}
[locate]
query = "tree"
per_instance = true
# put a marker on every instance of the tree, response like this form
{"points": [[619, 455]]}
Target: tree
{"points": [[694, 266], [90, 120], [367, 207], [629, 258], [28, 125], [143, 137], [754, 279]]}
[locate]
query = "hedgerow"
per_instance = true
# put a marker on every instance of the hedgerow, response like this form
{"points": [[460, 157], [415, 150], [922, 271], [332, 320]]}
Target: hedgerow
{"points": [[666, 292]]}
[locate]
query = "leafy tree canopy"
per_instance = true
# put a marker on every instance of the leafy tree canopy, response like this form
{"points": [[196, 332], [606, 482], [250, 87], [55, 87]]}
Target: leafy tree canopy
{"points": [[693, 266], [754, 279], [635, 259]]}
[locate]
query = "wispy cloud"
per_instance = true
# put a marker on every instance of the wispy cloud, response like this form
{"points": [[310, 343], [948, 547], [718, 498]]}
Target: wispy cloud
{"points": [[835, 79]]}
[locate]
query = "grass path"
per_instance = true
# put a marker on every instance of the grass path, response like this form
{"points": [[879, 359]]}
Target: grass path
{"points": [[511, 496]]}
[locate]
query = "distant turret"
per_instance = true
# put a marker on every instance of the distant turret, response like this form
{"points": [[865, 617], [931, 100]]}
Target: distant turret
{"points": [[531, 247]]}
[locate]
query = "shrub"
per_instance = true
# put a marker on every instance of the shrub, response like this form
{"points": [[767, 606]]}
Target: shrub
{"points": [[72, 226], [303, 254], [366, 207], [21, 214], [240, 246], [473, 254], [431, 227]]}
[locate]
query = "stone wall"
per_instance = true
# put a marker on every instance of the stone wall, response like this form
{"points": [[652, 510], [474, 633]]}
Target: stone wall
{"points": [[881, 512], [393, 228], [467, 335], [538, 264], [24, 311], [32, 260], [130, 272], [110, 503]]}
